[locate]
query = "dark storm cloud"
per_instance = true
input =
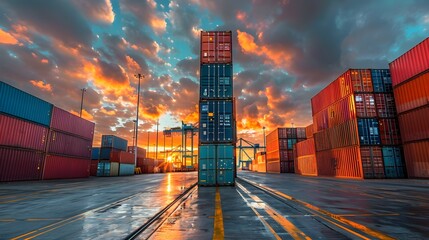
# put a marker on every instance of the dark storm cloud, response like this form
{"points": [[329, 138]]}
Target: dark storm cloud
{"points": [[189, 67]]}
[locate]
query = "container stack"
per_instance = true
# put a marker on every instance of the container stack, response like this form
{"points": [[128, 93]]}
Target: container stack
{"points": [[259, 164], [114, 159], [356, 133], [280, 144], [305, 155], [39, 140], [410, 77], [95, 156], [217, 131]]}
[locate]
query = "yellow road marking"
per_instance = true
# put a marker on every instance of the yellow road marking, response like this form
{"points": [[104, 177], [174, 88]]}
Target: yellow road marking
{"points": [[218, 232], [7, 220]]}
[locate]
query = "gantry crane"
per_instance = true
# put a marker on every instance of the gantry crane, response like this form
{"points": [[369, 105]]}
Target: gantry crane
{"points": [[242, 149]]}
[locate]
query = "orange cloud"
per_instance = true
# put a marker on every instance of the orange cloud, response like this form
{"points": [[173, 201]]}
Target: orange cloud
{"points": [[44, 60], [241, 15], [85, 115], [132, 64], [7, 38], [43, 86], [274, 56], [158, 24]]}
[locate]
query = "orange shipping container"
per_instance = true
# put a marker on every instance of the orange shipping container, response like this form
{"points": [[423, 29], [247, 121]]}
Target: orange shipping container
{"points": [[412, 94], [414, 125], [309, 131], [417, 159], [306, 165], [306, 147], [340, 162]]}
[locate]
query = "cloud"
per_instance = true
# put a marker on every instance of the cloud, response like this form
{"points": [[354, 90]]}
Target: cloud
{"points": [[43, 86], [7, 38], [97, 10], [189, 67], [146, 13]]}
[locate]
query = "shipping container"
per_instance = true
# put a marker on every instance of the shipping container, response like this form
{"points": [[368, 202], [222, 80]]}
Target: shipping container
{"points": [[343, 135], [306, 147], [216, 81], [95, 153], [261, 162], [69, 123], [207, 172], [141, 152], [340, 162], [368, 131], [19, 133], [121, 157], [273, 167], [93, 168], [416, 156], [365, 105], [273, 156], [59, 167], [225, 171], [389, 131], [322, 141], [126, 169], [23, 105], [216, 47], [216, 122], [68, 145], [106, 153], [20, 165], [338, 113], [287, 167], [114, 142], [361, 80], [309, 131], [381, 80], [412, 94], [306, 165], [107, 169], [372, 162], [321, 120], [414, 125], [385, 105], [411, 63], [393, 163]]}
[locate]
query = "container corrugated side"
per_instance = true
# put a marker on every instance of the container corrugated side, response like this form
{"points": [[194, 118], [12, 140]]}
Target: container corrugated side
{"points": [[68, 145], [417, 159], [141, 152], [70, 123], [411, 63], [339, 112], [306, 147], [18, 133], [59, 167], [306, 165], [273, 167], [122, 157], [216, 81], [340, 162], [385, 105], [414, 125], [93, 168], [412, 94], [389, 131], [23, 105], [343, 135], [114, 142], [126, 169], [309, 131], [393, 163], [372, 162], [20, 165]]}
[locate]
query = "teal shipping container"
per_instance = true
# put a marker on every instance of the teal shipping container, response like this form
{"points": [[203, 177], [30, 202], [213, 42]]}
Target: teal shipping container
{"points": [[23, 105], [216, 165], [126, 169], [107, 169], [111, 141], [394, 166]]}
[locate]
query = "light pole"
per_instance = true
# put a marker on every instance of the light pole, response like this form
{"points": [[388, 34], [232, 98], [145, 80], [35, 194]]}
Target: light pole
{"points": [[81, 102], [156, 146], [147, 144], [263, 133], [139, 76]]}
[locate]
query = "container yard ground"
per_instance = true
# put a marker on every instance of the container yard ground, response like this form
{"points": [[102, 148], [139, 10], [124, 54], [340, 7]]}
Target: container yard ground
{"points": [[110, 208]]}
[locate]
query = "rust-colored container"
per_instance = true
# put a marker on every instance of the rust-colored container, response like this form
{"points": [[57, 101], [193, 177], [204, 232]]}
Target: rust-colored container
{"points": [[414, 125], [216, 47], [122, 157], [361, 80], [273, 156], [141, 152], [306, 147], [321, 140], [68, 145], [20, 165], [341, 111], [272, 141], [385, 105], [69, 123], [412, 94], [93, 167], [309, 131], [417, 159], [365, 105], [341, 162], [306, 165], [344, 135], [18, 133], [273, 167], [59, 167], [411, 63], [389, 131], [372, 162]]}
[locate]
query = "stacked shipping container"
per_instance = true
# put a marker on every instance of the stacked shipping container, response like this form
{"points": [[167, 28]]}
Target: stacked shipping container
{"points": [[280, 144], [39, 140], [114, 159], [305, 155], [355, 127], [410, 77], [217, 111]]}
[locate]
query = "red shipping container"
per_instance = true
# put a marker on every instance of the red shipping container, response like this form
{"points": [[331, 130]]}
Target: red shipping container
{"points": [[122, 157], [341, 111], [414, 125], [287, 167], [322, 141], [411, 63], [344, 135], [372, 162], [70, 123], [309, 131], [385, 105], [273, 167], [340, 162], [365, 105], [22, 134], [321, 120], [59, 167], [306, 147], [216, 47], [20, 165], [361, 80], [141, 152], [389, 131], [306, 165], [64, 144], [273, 156], [417, 159], [412, 94], [93, 168]]}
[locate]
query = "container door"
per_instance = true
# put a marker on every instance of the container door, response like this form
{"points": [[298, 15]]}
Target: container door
{"points": [[206, 172], [225, 172]]}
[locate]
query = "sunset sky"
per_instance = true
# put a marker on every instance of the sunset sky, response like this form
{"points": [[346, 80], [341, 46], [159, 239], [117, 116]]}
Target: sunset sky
{"points": [[284, 53]]}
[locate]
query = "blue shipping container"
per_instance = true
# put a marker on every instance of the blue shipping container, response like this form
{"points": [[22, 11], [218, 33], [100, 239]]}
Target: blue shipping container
{"points": [[95, 153], [206, 172], [114, 142], [216, 81], [393, 162], [126, 169], [23, 105], [225, 172], [381, 80], [216, 122], [216, 165], [107, 169], [105, 152], [369, 133]]}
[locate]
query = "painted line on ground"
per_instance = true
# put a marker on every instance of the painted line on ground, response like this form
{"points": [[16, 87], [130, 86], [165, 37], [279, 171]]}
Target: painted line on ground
{"points": [[218, 232]]}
